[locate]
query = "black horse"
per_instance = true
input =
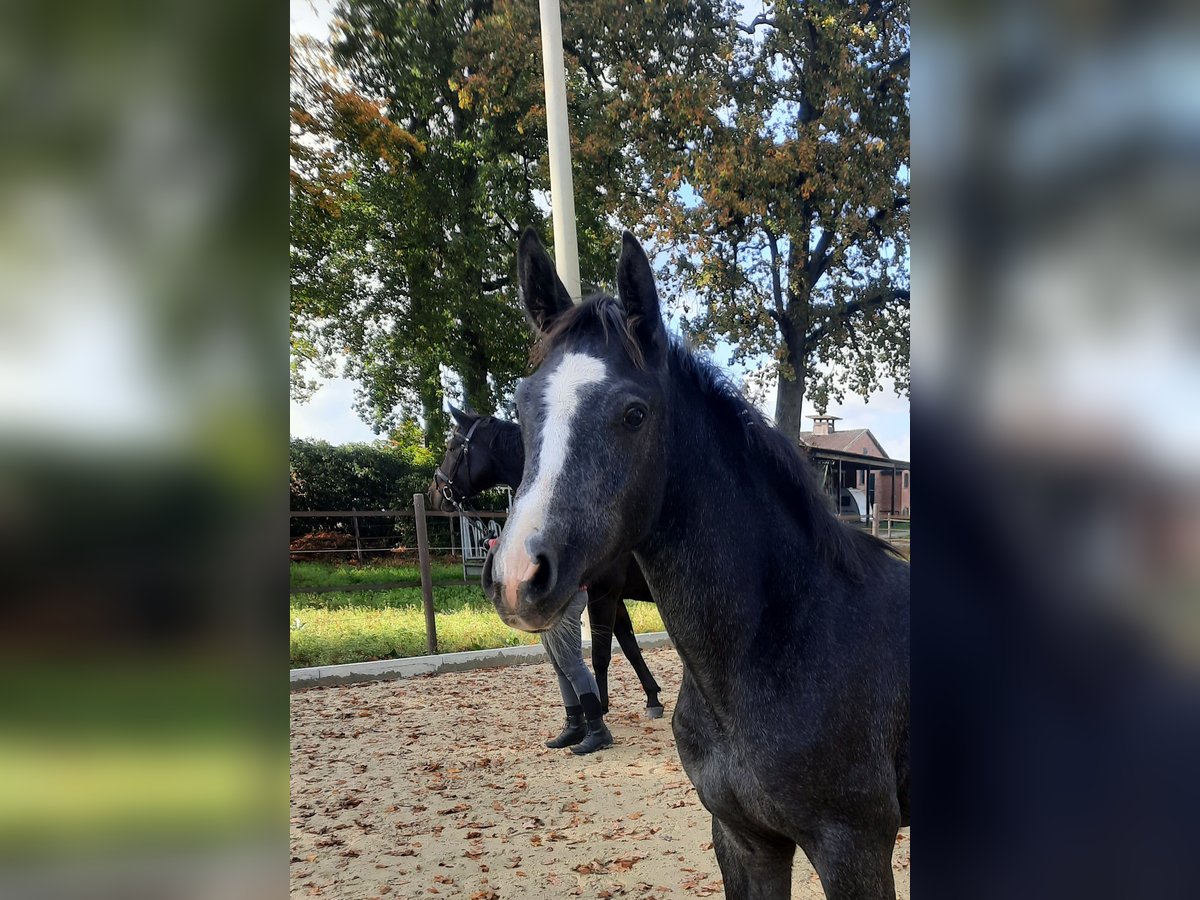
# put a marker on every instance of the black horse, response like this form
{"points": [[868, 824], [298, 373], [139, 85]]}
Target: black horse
{"points": [[793, 718], [484, 452]]}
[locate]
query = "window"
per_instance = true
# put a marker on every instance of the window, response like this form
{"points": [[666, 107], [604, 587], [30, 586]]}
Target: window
{"points": [[906, 480]]}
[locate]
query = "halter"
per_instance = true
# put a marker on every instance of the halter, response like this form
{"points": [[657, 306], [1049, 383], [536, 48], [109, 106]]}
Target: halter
{"points": [[446, 482]]}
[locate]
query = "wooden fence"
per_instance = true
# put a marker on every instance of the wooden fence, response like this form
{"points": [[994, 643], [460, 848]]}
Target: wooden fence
{"points": [[894, 529], [420, 515]]}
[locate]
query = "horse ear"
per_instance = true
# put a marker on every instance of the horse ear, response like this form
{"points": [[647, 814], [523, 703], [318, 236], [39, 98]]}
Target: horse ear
{"points": [[639, 296], [463, 419], [542, 291]]}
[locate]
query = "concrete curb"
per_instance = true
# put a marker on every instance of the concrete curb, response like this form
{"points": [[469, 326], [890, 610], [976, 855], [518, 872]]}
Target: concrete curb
{"points": [[389, 669]]}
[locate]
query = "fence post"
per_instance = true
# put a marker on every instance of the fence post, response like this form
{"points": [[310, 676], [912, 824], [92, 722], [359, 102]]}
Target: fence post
{"points": [[875, 519], [357, 542], [426, 575]]}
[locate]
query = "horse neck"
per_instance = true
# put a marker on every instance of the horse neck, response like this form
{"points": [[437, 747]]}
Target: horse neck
{"points": [[720, 556], [508, 454]]}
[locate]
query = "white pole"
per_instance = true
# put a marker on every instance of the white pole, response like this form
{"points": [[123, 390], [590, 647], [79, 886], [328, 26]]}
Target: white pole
{"points": [[562, 197]]}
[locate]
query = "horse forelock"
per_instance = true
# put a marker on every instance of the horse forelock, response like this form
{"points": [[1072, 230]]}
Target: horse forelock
{"points": [[598, 310]]}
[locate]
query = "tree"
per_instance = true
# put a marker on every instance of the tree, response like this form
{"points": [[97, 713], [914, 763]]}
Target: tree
{"points": [[409, 191], [767, 157], [770, 158], [801, 220], [405, 212]]}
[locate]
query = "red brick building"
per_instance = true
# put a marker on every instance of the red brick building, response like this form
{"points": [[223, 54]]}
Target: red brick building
{"points": [[855, 459]]}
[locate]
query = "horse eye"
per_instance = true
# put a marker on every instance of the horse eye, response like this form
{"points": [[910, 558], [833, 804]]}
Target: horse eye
{"points": [[634, 416]]}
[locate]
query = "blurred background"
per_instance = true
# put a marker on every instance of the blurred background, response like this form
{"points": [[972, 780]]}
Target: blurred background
{"points": [[1056, 359], [144, 257], [143, 449]]}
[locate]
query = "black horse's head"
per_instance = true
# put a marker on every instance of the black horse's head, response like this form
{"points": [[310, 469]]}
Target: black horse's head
{"points": [[593, 422], [466, 469]]}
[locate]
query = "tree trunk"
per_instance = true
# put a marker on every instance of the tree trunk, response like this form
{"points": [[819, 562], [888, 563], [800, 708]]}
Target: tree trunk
{"points": [[436, 422], [474, 369], [789, 401], [475, 384]]}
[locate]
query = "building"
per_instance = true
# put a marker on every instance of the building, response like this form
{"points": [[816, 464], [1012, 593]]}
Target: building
{"points": [[855, 460]]}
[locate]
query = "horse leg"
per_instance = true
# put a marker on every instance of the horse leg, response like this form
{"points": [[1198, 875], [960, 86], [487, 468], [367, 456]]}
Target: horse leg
{"points": [[601, 658], [752, 867], [602, 635], [854, 864], [623, 629]]}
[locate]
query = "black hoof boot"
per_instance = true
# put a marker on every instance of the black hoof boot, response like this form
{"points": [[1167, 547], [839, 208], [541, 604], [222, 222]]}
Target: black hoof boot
{"points": [[573, 732], [598, 737], [654, 708]]}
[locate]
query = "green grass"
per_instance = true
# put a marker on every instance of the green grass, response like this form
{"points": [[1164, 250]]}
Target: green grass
{"points": [[319, 575], [328, 629], [135, 752]]}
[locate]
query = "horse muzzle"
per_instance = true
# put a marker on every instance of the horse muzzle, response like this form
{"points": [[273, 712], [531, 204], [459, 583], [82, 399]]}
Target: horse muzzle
{"points": [[527, 594]]}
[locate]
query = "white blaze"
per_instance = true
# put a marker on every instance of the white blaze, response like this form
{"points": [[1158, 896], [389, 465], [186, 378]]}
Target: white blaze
{"points": [[560, 402]]}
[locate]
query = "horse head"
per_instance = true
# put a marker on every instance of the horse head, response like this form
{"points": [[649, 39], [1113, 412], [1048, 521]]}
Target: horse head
{"points": [[465, 469], [593, 419]]}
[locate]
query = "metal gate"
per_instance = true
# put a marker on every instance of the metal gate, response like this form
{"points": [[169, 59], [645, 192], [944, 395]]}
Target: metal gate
{"points": [[475, 534]]}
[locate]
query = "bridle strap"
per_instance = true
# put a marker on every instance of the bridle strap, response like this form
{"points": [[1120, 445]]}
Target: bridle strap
{"points": [[448, 480]]}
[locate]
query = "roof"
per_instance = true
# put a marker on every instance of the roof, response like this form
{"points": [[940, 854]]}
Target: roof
{"points": [[839, 440], [857, 459]]}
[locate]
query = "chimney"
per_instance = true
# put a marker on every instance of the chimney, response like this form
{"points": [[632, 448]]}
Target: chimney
{"points": [[823, 424]]}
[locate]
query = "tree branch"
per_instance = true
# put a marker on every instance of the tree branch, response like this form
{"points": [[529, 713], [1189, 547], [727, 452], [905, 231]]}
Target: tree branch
{"points": [[776, 284], [760, 19], [876, 220], [876, 12], [510, 225], [888, 69], [884, 297], [821, 257]]}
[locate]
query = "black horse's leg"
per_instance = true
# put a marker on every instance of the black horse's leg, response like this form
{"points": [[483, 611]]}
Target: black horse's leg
{"points": [[623, 629], [752, 867], [854, 864], [600, 609]]}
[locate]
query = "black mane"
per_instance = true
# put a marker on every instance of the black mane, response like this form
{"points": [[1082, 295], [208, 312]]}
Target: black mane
{"points": [[506, 439], [791, 474]]}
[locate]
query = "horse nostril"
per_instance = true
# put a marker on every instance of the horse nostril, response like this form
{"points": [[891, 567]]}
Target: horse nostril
{"points": [[544, 576]]}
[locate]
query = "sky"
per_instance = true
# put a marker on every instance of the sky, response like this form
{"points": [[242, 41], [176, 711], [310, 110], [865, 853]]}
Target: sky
{"points": [[329, 415], [310, 17]]}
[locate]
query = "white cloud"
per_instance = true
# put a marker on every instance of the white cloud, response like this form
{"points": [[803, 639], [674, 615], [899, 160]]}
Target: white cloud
{"points": [[329, 415], [311, 17]]}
